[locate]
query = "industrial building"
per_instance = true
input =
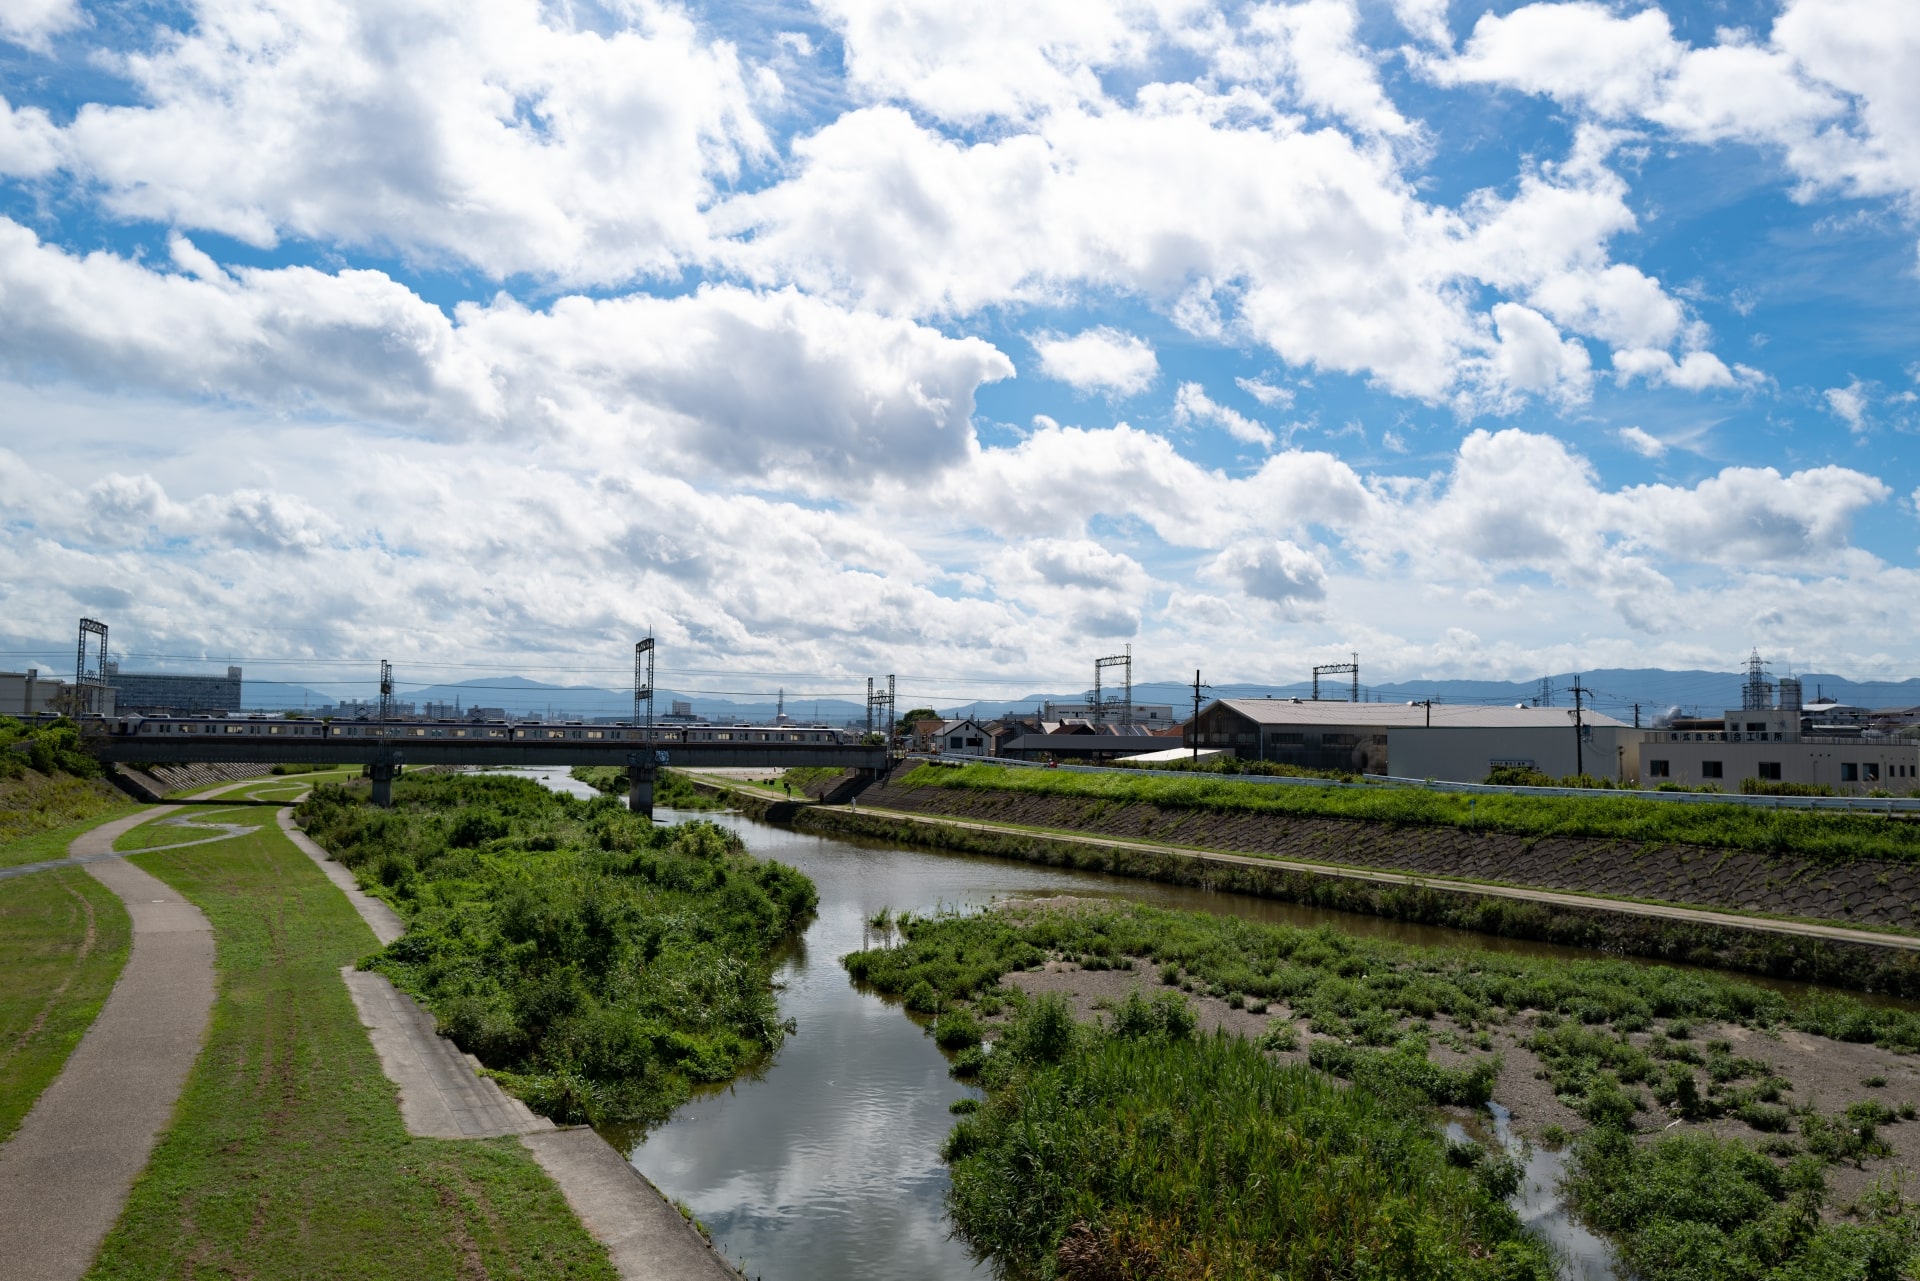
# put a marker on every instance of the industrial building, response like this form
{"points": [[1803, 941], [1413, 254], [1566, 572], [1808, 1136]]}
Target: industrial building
{"points": [[1782, 742], [1460, 744], [30, 693], [181, 694]]}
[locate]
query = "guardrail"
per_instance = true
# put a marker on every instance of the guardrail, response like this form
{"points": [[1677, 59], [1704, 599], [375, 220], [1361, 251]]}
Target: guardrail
{"points": [[1889, 805]]}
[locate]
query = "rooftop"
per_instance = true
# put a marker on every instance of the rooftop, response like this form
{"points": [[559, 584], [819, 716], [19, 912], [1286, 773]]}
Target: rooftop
{"points": [[1297, 711]]}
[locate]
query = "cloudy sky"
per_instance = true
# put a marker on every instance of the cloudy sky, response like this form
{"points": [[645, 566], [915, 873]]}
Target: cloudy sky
{"points": [[967, 342]]}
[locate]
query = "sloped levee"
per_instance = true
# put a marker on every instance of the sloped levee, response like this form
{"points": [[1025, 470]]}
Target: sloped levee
{"points": [[1862, 893]]}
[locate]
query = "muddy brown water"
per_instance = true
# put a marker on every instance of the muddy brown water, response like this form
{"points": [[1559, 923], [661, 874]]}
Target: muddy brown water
{"points": [[825, 1162]]}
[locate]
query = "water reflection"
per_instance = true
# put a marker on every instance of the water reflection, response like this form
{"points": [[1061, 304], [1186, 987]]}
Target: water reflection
{"points": [[825, 1162]]}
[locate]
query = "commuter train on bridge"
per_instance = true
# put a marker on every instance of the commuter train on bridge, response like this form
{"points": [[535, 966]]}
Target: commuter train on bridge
{"points": [[503, 732]]}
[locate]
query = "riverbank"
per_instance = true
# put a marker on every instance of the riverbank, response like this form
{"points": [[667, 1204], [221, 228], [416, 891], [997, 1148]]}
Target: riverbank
{"points": [[971, 821]]}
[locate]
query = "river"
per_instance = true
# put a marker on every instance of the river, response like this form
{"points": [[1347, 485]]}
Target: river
{"points": [[826, 1162]]}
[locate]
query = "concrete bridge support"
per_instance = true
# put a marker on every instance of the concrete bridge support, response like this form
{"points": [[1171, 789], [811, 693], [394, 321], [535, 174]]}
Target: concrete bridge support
{"points": [[641, 772], [382, 772]]}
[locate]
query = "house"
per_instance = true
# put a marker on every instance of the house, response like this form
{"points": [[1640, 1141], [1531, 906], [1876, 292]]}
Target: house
{"points": [[964, 738]]}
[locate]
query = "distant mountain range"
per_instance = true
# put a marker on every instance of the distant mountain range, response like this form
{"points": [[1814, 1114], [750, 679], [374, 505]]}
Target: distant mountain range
{"points": [[1614, 691]]}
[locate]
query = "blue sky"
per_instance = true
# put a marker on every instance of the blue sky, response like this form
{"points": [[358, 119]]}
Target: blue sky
{"points": [[855, 337]]}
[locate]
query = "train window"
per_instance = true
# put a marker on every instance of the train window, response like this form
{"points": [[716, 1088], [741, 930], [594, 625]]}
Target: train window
{"points": [[594, 733]]}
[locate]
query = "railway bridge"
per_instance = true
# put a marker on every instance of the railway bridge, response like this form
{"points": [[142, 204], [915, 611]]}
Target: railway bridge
{"points": [[387, 747]]}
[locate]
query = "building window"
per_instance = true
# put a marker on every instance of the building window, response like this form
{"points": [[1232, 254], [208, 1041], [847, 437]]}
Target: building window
{"points": [[1849, 772], [1873, 771], [1284, 739], [1756, 727], [1711, 769], [1770, 771], [1658, 769]]}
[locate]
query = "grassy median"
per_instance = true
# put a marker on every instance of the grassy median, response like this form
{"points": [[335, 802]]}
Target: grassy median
{"points": [[1824, 835], [287, 1157], [63, 941]]}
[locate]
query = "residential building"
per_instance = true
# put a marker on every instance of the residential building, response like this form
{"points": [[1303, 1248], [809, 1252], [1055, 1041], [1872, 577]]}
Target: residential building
{"points": [[963, 738]]}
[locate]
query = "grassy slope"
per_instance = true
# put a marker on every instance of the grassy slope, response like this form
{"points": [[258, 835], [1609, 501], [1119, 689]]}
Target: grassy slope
{"points": [[671, 790], [63, 941], [41, 813], [1809, 834], [287, 1157]]}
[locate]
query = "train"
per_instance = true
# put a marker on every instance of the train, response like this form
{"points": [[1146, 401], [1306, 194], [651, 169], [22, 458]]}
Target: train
{"points": [[122, 727]]}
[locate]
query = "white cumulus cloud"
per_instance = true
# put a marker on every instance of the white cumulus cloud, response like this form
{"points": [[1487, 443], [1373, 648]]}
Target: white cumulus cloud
{"points": [[1098, 359], [1192, 405]]}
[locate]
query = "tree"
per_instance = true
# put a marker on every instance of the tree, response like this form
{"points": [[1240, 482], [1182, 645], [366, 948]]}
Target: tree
{"points": [[917, 714]]}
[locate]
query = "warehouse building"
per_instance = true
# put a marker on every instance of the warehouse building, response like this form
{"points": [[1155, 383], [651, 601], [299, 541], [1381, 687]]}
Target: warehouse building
{"points": [[1458, 744], [31, 693]]}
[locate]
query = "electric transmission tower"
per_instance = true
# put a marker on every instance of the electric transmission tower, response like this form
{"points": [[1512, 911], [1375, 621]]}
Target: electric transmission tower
{"points": [[643, 682], [877, 700], [386, 691], [90, 676], [1333, 669], [1123, 661]]}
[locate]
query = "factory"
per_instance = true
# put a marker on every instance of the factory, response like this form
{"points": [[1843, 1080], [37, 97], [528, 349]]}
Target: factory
{"points": [[1450, 743], [1778, 743]]}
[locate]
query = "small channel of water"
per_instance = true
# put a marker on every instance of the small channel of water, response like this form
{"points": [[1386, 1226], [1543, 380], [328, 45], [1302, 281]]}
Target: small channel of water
{"points": [[826, 1162]]}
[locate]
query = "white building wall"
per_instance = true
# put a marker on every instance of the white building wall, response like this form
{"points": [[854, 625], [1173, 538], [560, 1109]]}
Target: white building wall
{"points": [[1466, 754], [1882, 764]]}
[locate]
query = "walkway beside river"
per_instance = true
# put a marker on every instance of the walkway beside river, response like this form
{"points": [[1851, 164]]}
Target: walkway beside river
{"points": [[66, 1173]]}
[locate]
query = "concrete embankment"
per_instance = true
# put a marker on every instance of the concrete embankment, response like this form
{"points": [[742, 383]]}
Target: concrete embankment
{"points": [[1779, 916]]}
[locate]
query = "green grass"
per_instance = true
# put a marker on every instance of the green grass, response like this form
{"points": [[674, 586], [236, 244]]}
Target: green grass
{"points": [[158, 831], [1818, 835], [52, 843], [287, 1158], [1142, 1151], [600, 964], [41, 813], [1374, 994], [63, 941], [1692, 1207]]}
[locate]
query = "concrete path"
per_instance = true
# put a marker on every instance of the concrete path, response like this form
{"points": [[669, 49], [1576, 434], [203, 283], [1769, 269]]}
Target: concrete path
{"points": [[1629, 907], [646, 1237], [66, 1172], [443, 1096]]}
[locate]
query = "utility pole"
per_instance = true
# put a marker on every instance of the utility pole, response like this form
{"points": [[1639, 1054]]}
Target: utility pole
{"points": [[1194, 728], [1428, 704], [1636, 716], [1579, 729]]}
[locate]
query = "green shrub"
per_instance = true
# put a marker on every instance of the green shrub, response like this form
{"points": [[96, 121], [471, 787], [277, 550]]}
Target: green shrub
{"points": [[1183, 1157], [1689, 1205], [600, 965]]}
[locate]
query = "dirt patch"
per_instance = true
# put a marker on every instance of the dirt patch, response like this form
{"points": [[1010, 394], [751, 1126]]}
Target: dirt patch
{"points": [[1826, 1074]]}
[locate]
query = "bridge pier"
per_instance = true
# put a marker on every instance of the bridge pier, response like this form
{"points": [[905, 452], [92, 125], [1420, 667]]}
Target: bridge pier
{"points": [[382, 773], [641, 773]]}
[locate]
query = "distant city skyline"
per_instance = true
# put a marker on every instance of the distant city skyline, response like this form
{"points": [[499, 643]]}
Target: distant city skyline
{"points": [[872, 336]]}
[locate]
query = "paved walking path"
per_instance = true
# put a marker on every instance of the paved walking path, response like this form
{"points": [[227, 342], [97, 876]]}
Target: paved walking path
{"points": [[1662, 911], [66, 1172], [442, 1096]]}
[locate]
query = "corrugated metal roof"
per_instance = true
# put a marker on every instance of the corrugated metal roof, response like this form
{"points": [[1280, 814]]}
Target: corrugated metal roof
{"points": [[1289, 711]]}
